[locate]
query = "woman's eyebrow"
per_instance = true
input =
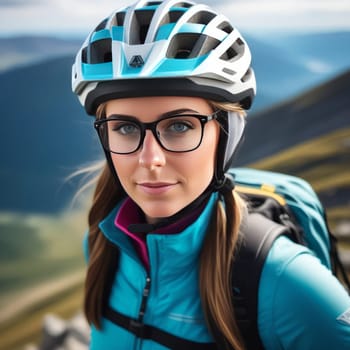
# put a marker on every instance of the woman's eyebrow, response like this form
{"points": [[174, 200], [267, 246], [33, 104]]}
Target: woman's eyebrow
{"points": [[176, 112], [117, 115], [162, 116]]}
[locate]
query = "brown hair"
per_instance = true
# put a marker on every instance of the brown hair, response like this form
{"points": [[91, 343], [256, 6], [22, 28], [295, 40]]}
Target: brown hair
{"points": [[215, 261]]}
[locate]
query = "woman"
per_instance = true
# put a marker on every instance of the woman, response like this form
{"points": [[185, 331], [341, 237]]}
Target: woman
{"points": [[169, 83]]}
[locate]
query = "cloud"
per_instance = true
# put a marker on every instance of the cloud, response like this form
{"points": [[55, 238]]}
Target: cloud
{"points": [[78, 17], [318, 66], [18, 3], [291, 15], [62, 17]]}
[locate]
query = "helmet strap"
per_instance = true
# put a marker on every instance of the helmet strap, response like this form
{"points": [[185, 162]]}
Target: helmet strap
{"points": [[112, 169]]}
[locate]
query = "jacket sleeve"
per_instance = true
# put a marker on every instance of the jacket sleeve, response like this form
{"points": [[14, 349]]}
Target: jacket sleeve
{"points": [[301, 304]]}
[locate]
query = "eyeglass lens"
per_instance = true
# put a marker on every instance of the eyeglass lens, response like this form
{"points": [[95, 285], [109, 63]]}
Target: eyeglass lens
{"points": [[177, 134]]}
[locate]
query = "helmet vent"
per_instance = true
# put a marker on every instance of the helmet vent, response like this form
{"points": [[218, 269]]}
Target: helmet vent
{"points": [[203, 17], [191, 45], [229, 54], [98, 52], [101, 25], [153, 3], [171, 17], [246, 76], [120, 16], [185, 5], [226, 27], [175, 12], [234, 52], [140, 24]]}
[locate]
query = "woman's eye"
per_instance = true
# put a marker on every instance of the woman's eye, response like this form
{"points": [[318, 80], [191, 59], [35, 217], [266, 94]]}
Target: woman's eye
{"points": [[179, 127], [125, 128]]}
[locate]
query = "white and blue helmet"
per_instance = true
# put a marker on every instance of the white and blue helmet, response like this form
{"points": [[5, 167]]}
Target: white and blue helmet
{"points": [[165, 48]]}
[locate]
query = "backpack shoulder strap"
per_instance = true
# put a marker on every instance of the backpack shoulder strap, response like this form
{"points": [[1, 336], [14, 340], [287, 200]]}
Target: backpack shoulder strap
{"points": [[149, 332], [259, 233]]}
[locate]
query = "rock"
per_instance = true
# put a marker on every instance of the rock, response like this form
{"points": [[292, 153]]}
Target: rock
{"points": [[59, 334]]}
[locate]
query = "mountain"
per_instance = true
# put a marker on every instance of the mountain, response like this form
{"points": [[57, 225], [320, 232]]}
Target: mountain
{"points": [[319, 111], [278, 75], [288, 64], [45, 136]]}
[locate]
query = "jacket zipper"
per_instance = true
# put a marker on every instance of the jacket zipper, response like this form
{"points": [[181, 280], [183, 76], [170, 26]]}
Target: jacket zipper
{"points": [[144, 300], [139, 323]]}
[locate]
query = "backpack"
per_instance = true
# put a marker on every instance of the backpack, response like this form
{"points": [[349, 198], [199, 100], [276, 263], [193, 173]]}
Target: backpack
{"points": [[279, 204]]}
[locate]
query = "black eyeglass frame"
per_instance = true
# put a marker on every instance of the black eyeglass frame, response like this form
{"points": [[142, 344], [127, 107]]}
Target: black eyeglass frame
{"points": [[203, 119]]}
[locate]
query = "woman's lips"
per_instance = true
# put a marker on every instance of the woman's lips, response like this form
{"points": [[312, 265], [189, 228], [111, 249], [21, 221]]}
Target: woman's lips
{"points": [[156, 187]]}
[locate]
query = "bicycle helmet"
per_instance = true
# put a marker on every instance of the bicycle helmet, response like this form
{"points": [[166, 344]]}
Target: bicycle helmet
{"points": [[167, 48]]}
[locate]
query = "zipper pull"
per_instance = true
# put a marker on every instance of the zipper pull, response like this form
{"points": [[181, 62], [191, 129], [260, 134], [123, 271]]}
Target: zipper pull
{"points": [[145, 295]]}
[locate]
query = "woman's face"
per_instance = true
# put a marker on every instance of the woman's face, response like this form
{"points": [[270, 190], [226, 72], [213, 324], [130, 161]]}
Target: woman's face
{"points": [[162, 182]]}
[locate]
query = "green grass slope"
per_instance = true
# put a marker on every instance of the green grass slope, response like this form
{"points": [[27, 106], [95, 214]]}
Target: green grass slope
{"points": [[41, 272]]}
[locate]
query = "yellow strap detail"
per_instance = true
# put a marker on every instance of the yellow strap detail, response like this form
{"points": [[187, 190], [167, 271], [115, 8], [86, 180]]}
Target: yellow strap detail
{"points": [[268, 188], [263, 191]]}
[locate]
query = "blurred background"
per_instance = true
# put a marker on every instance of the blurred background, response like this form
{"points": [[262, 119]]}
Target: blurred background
{"points": [[300, 124]]}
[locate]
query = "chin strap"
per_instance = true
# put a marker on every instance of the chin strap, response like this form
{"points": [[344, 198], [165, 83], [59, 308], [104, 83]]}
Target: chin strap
{"points": [[146, 228], [225, 184], [111, 168]]}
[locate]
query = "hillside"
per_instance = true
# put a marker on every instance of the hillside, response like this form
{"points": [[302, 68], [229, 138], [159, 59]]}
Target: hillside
{"points": [[309, 137], [41, 271], [45, 136], [319, 111]]}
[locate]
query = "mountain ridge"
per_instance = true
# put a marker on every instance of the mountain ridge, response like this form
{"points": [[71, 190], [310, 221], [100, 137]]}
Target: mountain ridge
{"points": [[300, 119]]}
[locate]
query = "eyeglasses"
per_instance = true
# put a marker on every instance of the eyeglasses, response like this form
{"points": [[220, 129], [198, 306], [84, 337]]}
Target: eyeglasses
{"points": [[180, 133]]}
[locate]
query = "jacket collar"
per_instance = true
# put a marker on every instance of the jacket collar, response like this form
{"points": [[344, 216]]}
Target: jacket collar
{"points": [[181, 246]]}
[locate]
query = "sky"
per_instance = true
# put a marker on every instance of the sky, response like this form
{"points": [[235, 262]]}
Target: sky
{"points": [[77, 17]]}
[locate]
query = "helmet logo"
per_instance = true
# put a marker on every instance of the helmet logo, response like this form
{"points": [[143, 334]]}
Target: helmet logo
{"points": [[136, 61]]}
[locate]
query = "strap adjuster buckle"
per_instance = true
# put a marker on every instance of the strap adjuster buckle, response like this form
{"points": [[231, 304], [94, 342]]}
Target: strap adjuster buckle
{"points": [[137, 328]]}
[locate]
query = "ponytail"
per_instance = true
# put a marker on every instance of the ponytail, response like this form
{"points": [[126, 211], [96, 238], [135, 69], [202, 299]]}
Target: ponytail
{"points": [[215, 271]]}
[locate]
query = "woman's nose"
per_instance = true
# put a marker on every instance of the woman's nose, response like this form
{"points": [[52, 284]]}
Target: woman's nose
{"points": [[152, 154]]}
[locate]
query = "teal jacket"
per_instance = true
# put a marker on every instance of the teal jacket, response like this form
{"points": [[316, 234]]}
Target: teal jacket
{"points": [[301, 305]]}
